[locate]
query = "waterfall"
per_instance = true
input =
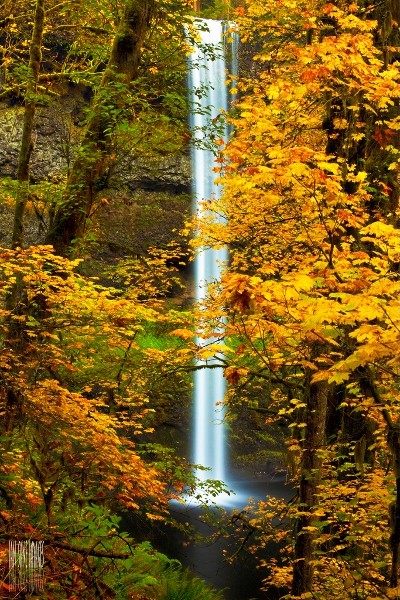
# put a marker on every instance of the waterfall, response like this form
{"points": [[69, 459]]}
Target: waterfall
{"points": [[209, 94]]}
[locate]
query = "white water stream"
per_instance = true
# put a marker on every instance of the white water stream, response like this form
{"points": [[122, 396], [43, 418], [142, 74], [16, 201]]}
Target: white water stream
{"points": [[209, 94]]}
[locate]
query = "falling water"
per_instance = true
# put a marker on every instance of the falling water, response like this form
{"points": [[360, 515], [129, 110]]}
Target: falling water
{"points": [[209, 442], [209, 95]]}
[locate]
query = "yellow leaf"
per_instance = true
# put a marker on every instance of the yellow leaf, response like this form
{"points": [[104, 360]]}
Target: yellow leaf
{"points": [[184, 334], [304, 282]]}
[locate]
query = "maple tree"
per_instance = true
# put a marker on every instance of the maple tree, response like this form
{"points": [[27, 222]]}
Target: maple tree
{"points": [[76, 376], [312, 293], [70, 430]]}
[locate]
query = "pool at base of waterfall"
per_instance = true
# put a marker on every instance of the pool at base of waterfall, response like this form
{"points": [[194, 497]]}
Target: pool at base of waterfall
{"points": [[241, 579], [209, 559]]}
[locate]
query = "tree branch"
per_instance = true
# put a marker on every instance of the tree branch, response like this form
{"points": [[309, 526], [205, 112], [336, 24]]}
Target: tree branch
{"points": [[70, 548]]}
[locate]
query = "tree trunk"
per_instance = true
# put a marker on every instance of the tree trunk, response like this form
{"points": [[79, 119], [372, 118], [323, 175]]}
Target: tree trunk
{"points": [[393, 439], [310, 476], [395, 533], [35, 57], [93, 157], [370, 389], [16, 338]]}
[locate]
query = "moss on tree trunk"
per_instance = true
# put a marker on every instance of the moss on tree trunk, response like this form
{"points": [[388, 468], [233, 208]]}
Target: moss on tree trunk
{"points": [[93, 157]]}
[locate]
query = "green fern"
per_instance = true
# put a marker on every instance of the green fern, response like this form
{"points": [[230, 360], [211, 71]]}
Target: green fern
{"points": [[160, 578]]}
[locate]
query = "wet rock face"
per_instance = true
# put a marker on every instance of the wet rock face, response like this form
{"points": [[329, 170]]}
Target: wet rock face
{"points": [[169, 174], [140, 201], [53, 142], [56, 140], [8, 161], [131, 222]]}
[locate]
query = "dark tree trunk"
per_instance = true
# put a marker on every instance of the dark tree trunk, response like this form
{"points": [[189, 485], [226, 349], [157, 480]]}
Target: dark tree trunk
{"points": [[16, 301], [395, 533], [370, 389], [393, 439], [93, 157], [35, 57], [315, 419]]}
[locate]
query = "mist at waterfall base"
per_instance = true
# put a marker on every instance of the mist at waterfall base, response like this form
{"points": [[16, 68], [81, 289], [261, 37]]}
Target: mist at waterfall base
{"points": [[207, 74]]}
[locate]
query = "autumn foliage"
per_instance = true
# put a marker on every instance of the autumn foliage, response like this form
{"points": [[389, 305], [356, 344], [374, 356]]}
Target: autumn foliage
{"points": [[311, 295], [78, 378], [308, 307], [68, 425]]}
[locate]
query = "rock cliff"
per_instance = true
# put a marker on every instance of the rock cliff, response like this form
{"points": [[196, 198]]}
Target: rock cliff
{"points": [[141, 200]]}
